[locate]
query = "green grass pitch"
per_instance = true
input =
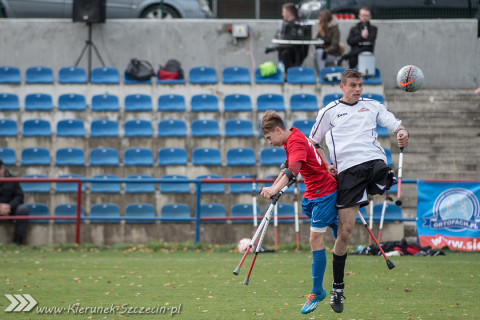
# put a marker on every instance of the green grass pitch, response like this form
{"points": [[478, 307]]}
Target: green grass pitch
{"points": [[198, 283]]}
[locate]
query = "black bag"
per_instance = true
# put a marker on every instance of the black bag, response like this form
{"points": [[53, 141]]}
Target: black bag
{"points": [[140, 70]]}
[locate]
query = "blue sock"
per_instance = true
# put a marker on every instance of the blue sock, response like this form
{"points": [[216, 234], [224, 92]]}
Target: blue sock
{"points": [[318, 270]]}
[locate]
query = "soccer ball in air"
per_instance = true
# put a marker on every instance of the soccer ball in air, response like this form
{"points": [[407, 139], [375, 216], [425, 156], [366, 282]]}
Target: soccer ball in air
{"points": [[243, 245], [410, 78]]}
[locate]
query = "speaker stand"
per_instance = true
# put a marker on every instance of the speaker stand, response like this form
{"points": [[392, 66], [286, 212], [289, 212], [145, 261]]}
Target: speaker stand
{"points": [[89, 45]]}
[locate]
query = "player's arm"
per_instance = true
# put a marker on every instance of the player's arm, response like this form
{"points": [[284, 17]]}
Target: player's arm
{"points": [[330, 167], [282, 180]]}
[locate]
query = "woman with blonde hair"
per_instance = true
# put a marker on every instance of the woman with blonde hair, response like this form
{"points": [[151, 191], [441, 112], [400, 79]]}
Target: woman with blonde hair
{"points": [[331, 49]]}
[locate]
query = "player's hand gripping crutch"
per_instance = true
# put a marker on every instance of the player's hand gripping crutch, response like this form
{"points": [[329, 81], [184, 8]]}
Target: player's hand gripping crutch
{"points": [[262, 228], [389, 263]]}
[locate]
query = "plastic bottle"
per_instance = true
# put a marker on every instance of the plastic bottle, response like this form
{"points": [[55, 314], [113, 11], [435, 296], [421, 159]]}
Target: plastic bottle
{"points": [[281, 67]]}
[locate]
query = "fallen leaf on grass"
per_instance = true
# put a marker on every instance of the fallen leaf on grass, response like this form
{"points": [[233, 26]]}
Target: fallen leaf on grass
{"points": [[408, 290]]}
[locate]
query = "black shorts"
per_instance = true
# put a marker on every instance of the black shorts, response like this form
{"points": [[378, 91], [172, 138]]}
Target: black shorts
{"points": [[368, 178]]}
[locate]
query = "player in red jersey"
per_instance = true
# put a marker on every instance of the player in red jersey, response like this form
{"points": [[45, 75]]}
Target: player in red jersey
{"points": [[319, 199]]}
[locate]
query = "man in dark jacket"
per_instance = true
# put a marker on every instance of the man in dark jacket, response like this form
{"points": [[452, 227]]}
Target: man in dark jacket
{"points": [[11, 203], [361, 37]]}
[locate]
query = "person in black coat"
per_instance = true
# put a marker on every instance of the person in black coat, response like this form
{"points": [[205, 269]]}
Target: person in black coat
{"points": [[11, 203], [361, 38]]}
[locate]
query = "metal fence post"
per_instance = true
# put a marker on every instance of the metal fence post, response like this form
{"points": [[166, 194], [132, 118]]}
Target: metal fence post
{"points": [[197, 210]]}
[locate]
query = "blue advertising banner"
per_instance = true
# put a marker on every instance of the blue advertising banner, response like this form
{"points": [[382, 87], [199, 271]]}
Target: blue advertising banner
{"points": [[448, 215]]}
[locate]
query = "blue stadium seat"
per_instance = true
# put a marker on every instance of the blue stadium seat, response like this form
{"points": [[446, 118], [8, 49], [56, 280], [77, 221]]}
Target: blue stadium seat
{"points": [[171, 102], [35, 157], [138, 128], [71, 102], [67, 210], [138, 102], [269, 184], [72, 75], [241, 187], [241, 157], [166, 187], [176, 213], [8, 156], [375, 80], [104, 128], [36, 128], [70, 128], [38, 210], [388, 153], [236, 75], [270, 101], [205, 128], [141, 210], [206, 157], [203, 75], [105, 102], [244, 210], [305, 126], [38, 102], [69, 157], [128, 80], [374, 96], [237, 102], [331, 75], [303, 102], [393, 190], [285, 210], [68, 187], [9, 102], [331, 97], [105, 75], [9, 75], [138, 157], [238, 128], [104, 157], [212, 210], [382, 131], [211, 187], [272, 156], [301, 75], [139, 187], [39, 74], [104, 210], [204, 102], [35, 187], [276, 78], [392, 213], [172, 157], [8, 128], [105, 187], [172, 128]]}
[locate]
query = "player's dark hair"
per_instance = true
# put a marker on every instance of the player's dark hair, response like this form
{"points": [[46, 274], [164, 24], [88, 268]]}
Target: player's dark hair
{"points": [[290, 7], [350, 73], [270, 121]]}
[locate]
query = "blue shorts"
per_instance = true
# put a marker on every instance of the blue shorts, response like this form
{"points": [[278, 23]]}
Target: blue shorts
{"points": [[322, 212]]}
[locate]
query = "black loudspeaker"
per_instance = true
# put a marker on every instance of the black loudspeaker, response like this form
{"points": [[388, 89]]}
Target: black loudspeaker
{"points": [[90, 11]]}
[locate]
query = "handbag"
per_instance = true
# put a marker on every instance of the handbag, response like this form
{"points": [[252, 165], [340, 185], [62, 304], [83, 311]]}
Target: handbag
{"points": [[140, 70]]}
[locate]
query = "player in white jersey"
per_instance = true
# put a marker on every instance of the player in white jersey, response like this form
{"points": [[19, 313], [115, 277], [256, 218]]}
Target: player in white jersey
{"points": [[359, 162]]}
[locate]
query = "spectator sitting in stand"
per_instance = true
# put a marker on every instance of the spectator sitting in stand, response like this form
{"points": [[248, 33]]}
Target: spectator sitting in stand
{"points": [[361, 38], [327, 53], [11, 203]]}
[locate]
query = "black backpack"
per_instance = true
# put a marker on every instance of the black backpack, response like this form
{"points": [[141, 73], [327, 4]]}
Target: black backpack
{"points": [[140, 70]]}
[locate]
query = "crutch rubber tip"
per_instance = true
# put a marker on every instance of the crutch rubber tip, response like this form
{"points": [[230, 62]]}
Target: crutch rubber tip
{"points": [[236, 271], [398, 202], [390, 264], [245, 282]]}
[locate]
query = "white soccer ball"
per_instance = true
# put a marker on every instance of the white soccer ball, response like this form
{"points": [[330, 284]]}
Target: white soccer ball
{"points": [[410, 78], [243, 245]]}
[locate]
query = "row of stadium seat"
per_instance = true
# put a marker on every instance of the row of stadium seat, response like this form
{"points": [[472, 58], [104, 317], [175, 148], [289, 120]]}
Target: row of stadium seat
{"points": [[37, 156], [168, 102], [180, 212], [197, 75], [144, 128], [146, 187]]}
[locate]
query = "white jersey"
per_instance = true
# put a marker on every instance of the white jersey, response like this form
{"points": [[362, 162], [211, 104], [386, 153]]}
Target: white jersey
{"points": [[350, 131]]}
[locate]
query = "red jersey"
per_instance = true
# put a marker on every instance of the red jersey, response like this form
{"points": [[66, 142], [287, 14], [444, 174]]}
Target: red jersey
{"points": [[318, 181]]}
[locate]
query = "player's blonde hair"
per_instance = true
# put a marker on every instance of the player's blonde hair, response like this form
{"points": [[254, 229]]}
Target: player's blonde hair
{"points": [[270, 121], [350, 73]]}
